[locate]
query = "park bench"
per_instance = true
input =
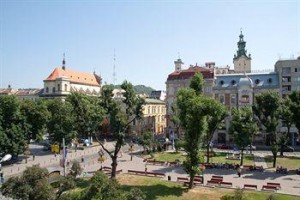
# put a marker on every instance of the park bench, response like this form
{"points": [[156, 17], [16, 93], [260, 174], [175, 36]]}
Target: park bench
{"points": [[226, 184], [259, 168], [155, 174], [136, 172], [275, 184], [217, 177], [269, 187], [198, 180], [249, 186], [213, 182], [106, 168], [182, 179], [187, 183]]}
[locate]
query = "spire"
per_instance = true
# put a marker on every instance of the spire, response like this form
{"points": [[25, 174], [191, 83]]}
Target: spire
{"points": [[241, 48], [64, 62]]}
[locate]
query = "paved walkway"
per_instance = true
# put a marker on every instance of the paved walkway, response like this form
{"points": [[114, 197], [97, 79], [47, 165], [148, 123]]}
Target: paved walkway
{"points": [[259, 160], [290, 183]]}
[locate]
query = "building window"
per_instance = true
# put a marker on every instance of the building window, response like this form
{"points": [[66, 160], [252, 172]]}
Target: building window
{"points": [[257, 81], [47, 89], [221, 82], [233, 82], [286, 70], [297, 69], [148, 109], [222, 99], [245, 99], [58, 87], [66, 87], [270, 80], [233, 99], [53, 89]]}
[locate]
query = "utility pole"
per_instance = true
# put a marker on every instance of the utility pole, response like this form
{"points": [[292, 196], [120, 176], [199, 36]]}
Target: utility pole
{"points": [[64, 156]]}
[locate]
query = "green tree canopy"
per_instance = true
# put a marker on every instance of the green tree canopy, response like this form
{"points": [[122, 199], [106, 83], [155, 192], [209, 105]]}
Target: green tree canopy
{"points": [[243, 127]]}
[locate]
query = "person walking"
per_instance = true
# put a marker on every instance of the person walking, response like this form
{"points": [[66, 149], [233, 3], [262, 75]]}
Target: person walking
{"points": [[239, 171]]}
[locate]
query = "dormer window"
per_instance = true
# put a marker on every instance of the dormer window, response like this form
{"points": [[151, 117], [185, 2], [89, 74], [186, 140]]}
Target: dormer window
{"points": [[221, 82], [257, 81], [233, 82], [270, 80]]}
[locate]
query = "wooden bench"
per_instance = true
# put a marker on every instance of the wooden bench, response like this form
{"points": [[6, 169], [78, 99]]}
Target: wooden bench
{"points": [[269, 187], [259, 168], [106, 168], [198, 180], [249, 186], [226, 184], [212, 182], [217, 180], [275, 184], [136, 172], [182, 179], [173, 163], [217, 177], [248, 167], [154, 174]]}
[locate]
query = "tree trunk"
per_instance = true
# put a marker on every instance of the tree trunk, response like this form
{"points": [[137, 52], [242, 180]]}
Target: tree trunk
{"points": [[191, 184], [242, 157], [114, 166], [207, 152], [274, 159], [281, 150]]}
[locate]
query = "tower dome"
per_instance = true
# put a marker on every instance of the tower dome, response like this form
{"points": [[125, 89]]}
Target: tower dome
{"points": [[245, 81]]}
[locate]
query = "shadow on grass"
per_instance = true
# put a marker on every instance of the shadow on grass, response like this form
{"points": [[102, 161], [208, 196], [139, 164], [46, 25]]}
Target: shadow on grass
{"points": [[155, 191], [82, 183]]}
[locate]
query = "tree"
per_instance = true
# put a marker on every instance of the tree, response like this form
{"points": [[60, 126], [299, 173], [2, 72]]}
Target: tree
{"points": [[135, 194], [13, 127], [192, 116], [61, 121], [175, 119], [286, 115], [102, 188], [267, 109], [120, 115], [147, 140], [32, 185], [65, 184], [295, 98], [215, 115], [243, 127], [75, 169], [36, 115], [87, 114]]}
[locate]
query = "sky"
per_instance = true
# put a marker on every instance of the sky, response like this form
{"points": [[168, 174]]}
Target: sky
{"points": [[146, 36]]}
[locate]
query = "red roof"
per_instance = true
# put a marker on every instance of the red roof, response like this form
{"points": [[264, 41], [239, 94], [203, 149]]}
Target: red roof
{"points": [[190, 72], [75, 76]]}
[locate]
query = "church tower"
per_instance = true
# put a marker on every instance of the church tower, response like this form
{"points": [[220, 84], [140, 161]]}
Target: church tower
{"points": [[242, 61]]}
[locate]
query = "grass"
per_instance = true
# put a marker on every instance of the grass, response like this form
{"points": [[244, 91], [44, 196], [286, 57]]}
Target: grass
{"points": [[291, 163], [157, 189], [219, 158]]}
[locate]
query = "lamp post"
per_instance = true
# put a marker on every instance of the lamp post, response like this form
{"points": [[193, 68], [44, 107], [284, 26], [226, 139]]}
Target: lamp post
{"points": [[7, 157]]}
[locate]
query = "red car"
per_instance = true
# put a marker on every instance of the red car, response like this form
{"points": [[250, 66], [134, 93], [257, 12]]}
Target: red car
{"points": [[223, 146]]}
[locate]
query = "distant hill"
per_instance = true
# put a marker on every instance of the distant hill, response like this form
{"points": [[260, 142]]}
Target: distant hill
{"points": [[139, 89]]}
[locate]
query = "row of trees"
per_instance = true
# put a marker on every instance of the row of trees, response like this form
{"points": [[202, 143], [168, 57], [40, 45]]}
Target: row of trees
{"points": [[78, 116], [200, 116]]}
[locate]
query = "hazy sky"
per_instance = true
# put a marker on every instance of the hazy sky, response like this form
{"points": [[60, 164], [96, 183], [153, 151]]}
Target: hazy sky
{"points": [[146, 36]]}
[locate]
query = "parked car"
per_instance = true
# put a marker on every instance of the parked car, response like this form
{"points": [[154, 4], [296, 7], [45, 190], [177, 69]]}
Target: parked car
{"points": [[223, 146], [250, 146], [288, 149]]}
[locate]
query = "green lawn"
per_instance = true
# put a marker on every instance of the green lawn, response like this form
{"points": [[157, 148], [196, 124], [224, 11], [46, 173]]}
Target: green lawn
{"points": [[291, 163], [219, 158], [157, 189]]}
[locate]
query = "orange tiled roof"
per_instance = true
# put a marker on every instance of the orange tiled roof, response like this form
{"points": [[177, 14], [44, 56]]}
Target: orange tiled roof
{"points": [[75, 76]]}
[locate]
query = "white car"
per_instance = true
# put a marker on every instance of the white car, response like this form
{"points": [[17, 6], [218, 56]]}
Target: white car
{"points": [[250, 146]]}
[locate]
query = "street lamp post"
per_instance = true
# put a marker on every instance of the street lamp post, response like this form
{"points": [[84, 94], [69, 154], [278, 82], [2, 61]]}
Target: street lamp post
{"points": [[7, 157]]}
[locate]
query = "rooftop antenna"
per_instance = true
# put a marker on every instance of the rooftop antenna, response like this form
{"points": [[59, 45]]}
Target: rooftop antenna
{"points": [[64, 62], [114, 68]]}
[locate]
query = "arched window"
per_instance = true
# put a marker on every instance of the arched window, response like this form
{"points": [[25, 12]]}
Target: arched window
{"points": [[58, 87], [53, 89], [66, 87], [47, 89]]}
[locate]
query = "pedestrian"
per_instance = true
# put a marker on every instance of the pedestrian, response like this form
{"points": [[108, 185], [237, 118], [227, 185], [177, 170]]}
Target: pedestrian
{"points": [[82, 159], [33, 157], [239, 171]]}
